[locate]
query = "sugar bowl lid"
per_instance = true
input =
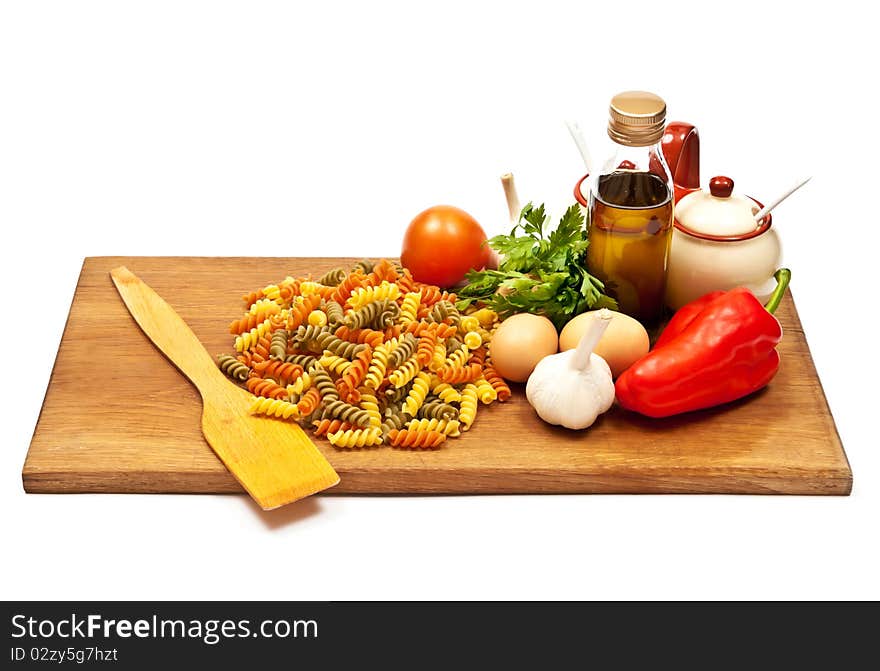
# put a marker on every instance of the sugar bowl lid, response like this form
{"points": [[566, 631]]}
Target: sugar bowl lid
{"points": [[719, 213]]}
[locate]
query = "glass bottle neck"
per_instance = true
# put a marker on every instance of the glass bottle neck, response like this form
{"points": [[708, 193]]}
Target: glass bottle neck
{"points": [[634, 177], [640, 159]]}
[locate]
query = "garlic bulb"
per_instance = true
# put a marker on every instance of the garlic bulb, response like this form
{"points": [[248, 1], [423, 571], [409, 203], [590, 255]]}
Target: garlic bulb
{"points": [[573, 388]]}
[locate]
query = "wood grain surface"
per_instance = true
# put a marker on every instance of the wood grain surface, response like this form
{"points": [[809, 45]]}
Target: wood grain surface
{"points": [[119, 417], [276, 462]]}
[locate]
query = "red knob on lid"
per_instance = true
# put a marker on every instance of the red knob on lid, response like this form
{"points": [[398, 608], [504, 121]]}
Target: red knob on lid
{"points": [[721, 187]]}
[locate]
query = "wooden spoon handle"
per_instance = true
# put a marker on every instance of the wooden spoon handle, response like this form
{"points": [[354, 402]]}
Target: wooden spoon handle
{"points": [[165, 327]]}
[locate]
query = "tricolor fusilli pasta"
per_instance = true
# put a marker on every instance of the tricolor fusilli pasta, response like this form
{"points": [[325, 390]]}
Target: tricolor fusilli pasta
{"points": [[365, 357]]}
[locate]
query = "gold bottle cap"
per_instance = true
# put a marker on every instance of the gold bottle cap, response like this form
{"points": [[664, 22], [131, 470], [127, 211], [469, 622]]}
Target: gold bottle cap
{"points": [[637, 118]]}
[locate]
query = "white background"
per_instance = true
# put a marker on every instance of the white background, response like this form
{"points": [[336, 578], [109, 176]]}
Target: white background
{"points": [[221, 128]]}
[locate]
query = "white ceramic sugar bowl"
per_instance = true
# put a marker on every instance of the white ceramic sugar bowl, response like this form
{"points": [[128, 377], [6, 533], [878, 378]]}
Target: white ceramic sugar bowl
{"points": [[717, 244]]}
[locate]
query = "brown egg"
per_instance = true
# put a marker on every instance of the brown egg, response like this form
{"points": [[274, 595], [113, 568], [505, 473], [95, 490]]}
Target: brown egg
{"points": [[519, 343], [624, 342]]}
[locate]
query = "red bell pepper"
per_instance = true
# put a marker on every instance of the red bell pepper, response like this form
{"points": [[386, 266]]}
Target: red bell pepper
{"points": [[722, 347], [684, 316]]}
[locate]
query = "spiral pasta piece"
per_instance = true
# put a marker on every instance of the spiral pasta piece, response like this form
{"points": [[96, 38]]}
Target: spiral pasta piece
{"points": [[249, 338], [354, 375], [406, 282], [409, 307], [334, 363], [317, 318], [283, 291], [363, 266], [393, 331], [356, 438], [349, 413], [365, 336], [274, 408], [468, 408], [300, 309], [378, 314], [394, 420], [264, 308], [446, 312], [252, 297], [325, 426], [308, 288], [468, 323], [458, 375], [432, 295], [278, 346], [453, 344], [421, 328], [232, 367], [322, 381], [405, 372], [417, 393], [258, 353], [446, 392], [282, 372], [309, 401], [451, 427], [472, 339], [339, 347], [389, 313], [383, 269], [420, 439], [485, 316], [273, 293], [394, 396], [438, 357], [356, 279], [478, 356], [304, 360], [259, 312], [261, 387], [406, 347], [370, 405], [361, 296], [485, 391], [457, 358], [321, 412], [308, 334], [334, 312], [438, 410], [497, 382], [300, 384], [346, 393], [333, 278], [378, 365], [247, 358], [425, 349]]}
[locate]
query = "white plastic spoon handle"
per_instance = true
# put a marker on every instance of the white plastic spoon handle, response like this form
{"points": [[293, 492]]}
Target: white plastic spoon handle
{"points": [[766, 209], [575, 130], [510, 194]]}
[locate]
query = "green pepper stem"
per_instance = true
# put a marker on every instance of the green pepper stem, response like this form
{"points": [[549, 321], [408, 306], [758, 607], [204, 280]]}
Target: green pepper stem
{"points": [[783, 277]]}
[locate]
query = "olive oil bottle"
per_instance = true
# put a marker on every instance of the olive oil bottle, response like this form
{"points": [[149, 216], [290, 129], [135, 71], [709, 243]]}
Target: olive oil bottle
{"points": [[631, 217]]}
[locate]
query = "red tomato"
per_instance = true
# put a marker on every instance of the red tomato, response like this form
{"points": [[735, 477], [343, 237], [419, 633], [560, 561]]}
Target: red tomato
{"points": [[441, 244]]}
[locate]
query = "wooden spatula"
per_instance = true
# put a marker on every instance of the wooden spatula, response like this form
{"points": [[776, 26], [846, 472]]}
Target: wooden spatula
{"points": [[275, 461]]}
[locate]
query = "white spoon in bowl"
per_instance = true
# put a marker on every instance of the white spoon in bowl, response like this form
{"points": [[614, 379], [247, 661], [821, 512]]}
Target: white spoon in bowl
{"points": [[764, 211]]}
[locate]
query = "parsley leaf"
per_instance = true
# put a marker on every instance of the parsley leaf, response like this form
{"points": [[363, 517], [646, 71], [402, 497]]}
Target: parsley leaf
{"points": [[540, 273]]}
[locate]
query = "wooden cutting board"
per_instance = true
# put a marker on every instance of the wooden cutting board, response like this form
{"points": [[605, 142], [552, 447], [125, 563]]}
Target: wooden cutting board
{"points": [[118, 417]]}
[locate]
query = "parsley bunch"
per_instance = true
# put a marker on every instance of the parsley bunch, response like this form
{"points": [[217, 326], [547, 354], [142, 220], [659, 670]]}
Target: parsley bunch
{"points": [[541, 273]]}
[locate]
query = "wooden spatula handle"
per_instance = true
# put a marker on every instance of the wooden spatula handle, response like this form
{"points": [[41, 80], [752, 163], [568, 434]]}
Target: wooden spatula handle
{"points": [[165, 327]]}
